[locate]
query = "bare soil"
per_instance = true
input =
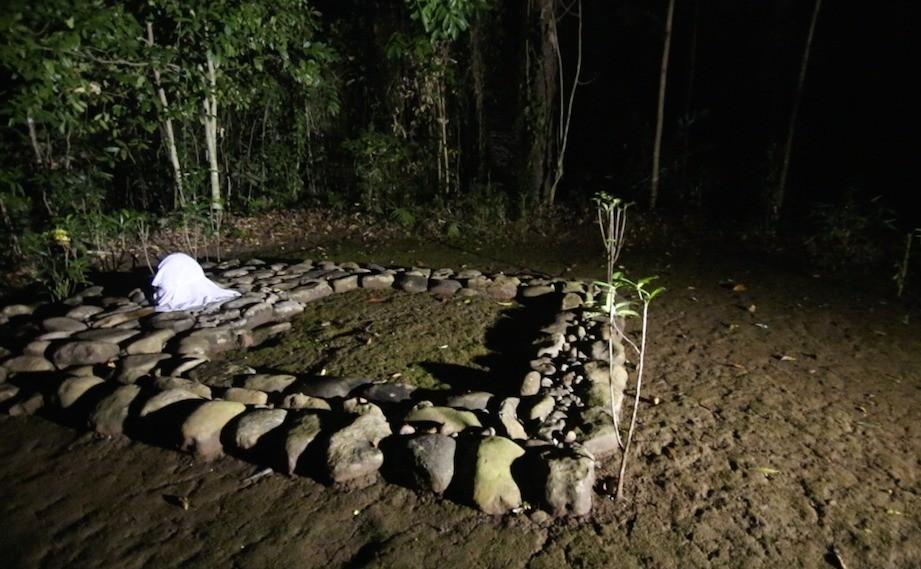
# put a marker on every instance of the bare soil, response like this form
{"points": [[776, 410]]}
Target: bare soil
{"points": [[787, 435]]}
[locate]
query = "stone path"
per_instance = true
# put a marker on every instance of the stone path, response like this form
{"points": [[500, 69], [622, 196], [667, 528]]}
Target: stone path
{"points": [[110, 363]]}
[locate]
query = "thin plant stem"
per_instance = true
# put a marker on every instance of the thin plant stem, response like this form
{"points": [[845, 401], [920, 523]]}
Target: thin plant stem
{"points": [[636, 405], [620, 443]]}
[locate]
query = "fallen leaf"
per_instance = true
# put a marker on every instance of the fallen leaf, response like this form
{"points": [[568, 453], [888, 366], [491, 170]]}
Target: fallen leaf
{"points": [[787, 358], [505, 303], [374, 299], [760, 325], [752, 308], [862, 409], [892, 512], [739, 288], [738, 366], [767, 470]]}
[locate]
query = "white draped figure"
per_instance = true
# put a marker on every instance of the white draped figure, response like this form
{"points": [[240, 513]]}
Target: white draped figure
{"points": [[181, 284]]}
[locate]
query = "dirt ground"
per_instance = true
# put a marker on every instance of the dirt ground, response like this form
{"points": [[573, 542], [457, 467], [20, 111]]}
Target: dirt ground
{"points": [[787, 436]]}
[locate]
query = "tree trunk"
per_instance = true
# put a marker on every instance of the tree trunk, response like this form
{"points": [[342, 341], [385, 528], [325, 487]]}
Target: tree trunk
{"points": [[565, 107], [33, 138], [542, 74], [788, 147], [179, 196], [660, 113], [210, 107], [478, 75]]}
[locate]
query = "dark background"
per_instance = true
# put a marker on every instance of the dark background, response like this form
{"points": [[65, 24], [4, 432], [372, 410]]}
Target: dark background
{"points": [[858, 123]]}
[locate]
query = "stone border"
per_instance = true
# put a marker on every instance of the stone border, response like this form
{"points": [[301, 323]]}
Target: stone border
{"points": [[112, 364]]}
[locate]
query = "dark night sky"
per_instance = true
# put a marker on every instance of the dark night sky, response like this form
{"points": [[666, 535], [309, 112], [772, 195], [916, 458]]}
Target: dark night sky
{"points": [[858, 122]]}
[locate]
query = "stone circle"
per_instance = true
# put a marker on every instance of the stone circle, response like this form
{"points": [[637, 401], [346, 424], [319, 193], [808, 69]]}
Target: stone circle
{"points": [[110, 363]]}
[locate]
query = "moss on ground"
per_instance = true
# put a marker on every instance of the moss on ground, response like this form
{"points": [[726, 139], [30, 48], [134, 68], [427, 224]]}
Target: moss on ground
{"points": [[385, 336]]}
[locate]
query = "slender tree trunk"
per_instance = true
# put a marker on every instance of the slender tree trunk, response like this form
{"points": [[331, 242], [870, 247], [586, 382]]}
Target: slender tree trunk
{"points": [[33, 138], [660, 113], [210, 107], [788, 147], [179, 196], [565, 107], [445, 155], [478, 74]]}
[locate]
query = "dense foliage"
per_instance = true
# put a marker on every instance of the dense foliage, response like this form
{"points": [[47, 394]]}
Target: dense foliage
{"points": [[122, 118]]}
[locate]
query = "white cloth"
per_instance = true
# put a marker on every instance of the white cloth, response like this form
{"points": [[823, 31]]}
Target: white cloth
{"points": [[181, 284]]}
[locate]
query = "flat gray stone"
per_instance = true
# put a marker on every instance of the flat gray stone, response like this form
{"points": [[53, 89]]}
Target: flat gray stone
{"points": [[382, 393], [571, 301], [201, 431], [531, 384], [570, 482], [165, 399], [408, 282], [596, 432], [445, 287], [111, 335], [301, 401], [108, 418], [381, 281], [353, 453], [287, 309], [151, 343], [433, 461], [310, 292], [450, 420], [73, 388], [246, 396], [195, 387], [508, 416], [7, 392], [84, 352], [111, 320], [329, 387], [504, 291], [178, 321], [258, 315], [541, 408], [270, 383], [133, 368], [474, 401], [255, 424], [17, 310], [494, 489], [63, 324], [37, 348], [28, 364], [536, 291], [302, 432], [345, 284]]}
